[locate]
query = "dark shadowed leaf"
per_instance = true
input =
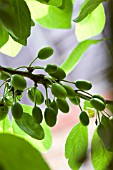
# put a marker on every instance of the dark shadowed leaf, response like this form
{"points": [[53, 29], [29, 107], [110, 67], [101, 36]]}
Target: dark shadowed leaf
{"points": [[87, 7], [105, 132], [15, 18], [101, 158], [109, 107], [26, 123], [42, 145], [4, 36]]}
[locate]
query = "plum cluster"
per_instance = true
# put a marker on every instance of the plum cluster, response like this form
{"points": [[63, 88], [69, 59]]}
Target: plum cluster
{"points": [[15, 84]]}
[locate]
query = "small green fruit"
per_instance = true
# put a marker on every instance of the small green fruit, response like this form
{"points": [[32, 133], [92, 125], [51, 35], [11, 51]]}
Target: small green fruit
{"points": [[84, 119], [58, 91], [62, 105], [50, 116], [99, 97], [97, 104], [18, 82], [37, 115], [75, 100], [54, 106], [83, 84], [70, 91], [50, 68], [3, 112], [45, 53], [17, 111], [59, 74], [39, 96]]}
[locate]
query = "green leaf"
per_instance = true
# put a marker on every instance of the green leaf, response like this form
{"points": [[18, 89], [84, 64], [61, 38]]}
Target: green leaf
{"points": [[5, 125], [87, 105], [42, 145], [71, 61], [11, 48], [101, 158], [87, 7], [92, 25], [16, 19], [51, 17], [26, 123], [4, 36], [76, 146], [20, 154], [105, 132], [55, 3], [109, 107]]}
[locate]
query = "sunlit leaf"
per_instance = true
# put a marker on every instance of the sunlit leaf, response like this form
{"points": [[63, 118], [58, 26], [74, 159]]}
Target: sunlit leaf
{"points": [[49, 16], [87, 105], [55, 3], [11, 48], [76, 146], [71, 61], [92, 25], [87, 7], [16, 154], [101, 158], [5, 125]]}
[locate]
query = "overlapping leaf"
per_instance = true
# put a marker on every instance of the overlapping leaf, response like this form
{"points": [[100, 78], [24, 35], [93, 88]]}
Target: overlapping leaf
{"points": [[15, 18], [4, 36], [110, 107], [51, 17], [55, 3], [87, 7], [27, 124], [11, 48], [91, 25], [105, 132], [101, 158], [76, 146], [42, 145], [20, 154]]}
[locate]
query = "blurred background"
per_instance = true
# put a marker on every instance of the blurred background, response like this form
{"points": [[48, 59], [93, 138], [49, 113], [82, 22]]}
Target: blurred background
{"points": [[96, 66]]}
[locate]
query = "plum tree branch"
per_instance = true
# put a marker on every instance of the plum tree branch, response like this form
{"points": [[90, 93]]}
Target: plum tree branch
{"points": [[41, 79]]}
